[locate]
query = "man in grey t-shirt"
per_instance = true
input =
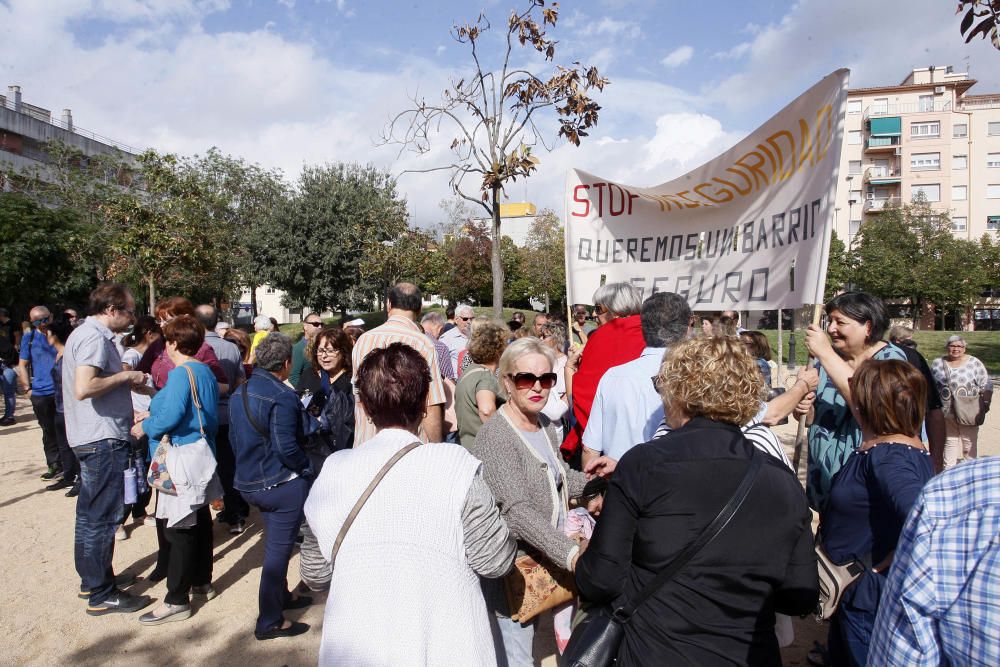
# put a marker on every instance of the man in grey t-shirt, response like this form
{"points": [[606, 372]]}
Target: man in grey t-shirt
{"points": [[98, 411]]}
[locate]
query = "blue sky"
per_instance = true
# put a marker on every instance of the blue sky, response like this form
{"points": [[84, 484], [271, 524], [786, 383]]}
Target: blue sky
{"points": [[288, 82]]}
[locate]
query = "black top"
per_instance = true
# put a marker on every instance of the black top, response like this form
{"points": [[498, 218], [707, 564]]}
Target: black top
{"points": [[719, 609], [917, 360]]}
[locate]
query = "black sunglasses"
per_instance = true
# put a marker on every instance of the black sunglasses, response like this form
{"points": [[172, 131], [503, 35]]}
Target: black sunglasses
{"points": [[315, 324], [528, 380], [39, 322], [465, 319]]}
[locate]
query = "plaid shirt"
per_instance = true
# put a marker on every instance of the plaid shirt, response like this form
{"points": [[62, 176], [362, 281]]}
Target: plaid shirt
{"points": [[941, 604]]}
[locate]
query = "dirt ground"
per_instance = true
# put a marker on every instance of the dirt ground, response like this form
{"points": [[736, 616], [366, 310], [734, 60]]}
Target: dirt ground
{"points": [[42, 621]]}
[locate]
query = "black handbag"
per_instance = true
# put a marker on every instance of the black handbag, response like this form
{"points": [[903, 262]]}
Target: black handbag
{"points": [[596, 640]]}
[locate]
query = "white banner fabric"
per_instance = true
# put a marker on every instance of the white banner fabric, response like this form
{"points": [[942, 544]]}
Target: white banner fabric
{"points": [[726, 234]]}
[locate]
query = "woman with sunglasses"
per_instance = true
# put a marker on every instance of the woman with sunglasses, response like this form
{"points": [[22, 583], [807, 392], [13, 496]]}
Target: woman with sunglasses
{"points": [[530, 481]]}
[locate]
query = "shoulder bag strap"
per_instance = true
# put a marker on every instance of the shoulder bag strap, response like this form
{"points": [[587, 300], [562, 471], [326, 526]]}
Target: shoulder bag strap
{"points": [[194, 398], [246, 408], [364, 498], [623, 613]]}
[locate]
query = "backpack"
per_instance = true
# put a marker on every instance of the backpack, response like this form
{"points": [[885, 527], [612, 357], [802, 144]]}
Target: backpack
{"points": [[8, 354]]}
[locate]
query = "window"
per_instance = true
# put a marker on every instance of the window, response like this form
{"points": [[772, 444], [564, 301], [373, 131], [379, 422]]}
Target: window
{"points": [[959, 192], [269, 290], [959, 161], [919, 161], [932, 191], [854, 195], [958, 224], [855, 227], [993, 160], [925, 130], [854, 137], [853, 106], [959, 130], [880, 106], [993, 223], [925, 103], [993, 191], [854, 167], [993, 129]]}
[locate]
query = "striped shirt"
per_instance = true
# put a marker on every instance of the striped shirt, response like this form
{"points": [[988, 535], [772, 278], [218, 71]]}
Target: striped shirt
{"points": [[395, 330], [762, 437], [940, 603]]}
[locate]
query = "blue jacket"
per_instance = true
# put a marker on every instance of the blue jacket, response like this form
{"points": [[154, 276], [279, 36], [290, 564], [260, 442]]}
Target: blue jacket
{"points": [[263, 462], [172, 409]]}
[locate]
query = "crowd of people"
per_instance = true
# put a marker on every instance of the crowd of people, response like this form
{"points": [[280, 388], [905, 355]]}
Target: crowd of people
{"points": [[419, 466]]}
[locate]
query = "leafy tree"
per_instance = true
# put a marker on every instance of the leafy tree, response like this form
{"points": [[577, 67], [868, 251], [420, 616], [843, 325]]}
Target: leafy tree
{"points": [[909, 252], [464, 264], [37, 262], [411, 257], [317, 239], [240, 199], [164, 236], [837, 268], [543, 260], [497, 115], [989, 256], [988, 11]]}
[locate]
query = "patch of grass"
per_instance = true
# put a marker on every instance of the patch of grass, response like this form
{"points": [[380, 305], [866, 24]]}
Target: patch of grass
{"points": [[984, 345]]}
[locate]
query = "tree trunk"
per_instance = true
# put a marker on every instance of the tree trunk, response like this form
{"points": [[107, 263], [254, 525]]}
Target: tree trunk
{"points": [[548, 304], [495, 262], [152, 294], [253, 301], [916, 312]]}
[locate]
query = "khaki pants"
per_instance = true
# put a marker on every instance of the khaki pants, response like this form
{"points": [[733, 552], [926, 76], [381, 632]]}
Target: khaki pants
{"points": [[959, 442]]}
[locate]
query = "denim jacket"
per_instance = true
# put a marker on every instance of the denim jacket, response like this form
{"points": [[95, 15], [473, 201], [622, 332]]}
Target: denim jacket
{"points": [[260, 462]]}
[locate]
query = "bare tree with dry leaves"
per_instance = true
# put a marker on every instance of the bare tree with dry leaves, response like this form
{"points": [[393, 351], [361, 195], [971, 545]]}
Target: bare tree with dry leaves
{"points": [[496, 116]]}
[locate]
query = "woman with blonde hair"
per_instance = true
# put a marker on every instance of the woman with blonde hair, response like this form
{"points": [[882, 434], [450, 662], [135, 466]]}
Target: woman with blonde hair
{"points": [[720, 606], [530, 481]]}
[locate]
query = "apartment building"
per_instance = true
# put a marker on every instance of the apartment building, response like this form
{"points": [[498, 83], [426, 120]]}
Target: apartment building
{"points": [[929, 135], [926, 135], [26, 128]]}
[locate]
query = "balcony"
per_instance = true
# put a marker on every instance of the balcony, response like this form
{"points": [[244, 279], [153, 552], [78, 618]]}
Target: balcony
{"points": [[882, 176], [878, 144], [910, 107], [879, 205]]}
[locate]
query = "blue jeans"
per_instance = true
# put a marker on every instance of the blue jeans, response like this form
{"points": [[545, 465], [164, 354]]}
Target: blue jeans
{"points": [[99, 509], [281, 509], [8, 381]]}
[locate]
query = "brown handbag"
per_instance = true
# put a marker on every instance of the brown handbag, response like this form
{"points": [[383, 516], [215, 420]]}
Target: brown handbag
{"points": [[533, 587]]}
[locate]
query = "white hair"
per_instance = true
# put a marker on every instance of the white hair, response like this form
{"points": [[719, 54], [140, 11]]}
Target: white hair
{"points": [[621, 299], [464, 308], [262, 323]]}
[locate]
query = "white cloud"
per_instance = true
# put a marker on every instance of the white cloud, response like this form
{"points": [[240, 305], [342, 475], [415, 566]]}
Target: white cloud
{"points": [[611, 27], [785, 57], [679, 56], [287, 3], [735, 53]]}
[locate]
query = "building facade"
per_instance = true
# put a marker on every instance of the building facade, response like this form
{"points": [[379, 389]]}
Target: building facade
{"points": [[25, 129], [925, 135]]}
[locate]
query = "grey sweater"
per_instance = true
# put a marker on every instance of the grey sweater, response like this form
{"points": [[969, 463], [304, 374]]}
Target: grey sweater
{"points": [[524, 490]]}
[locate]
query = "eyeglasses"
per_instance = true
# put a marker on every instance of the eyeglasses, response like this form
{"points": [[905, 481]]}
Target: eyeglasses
{"points": [[528, 380], [39, 322], [314, 324], [465, 319], [599, 309], [326, 351], [656, 383]]}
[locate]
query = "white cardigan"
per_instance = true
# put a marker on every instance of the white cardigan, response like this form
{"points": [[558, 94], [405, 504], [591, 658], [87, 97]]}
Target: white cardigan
{"points": [[402, 591]]}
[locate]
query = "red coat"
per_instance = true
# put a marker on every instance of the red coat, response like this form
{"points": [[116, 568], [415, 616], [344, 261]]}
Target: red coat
{"points": [[612, 344]]}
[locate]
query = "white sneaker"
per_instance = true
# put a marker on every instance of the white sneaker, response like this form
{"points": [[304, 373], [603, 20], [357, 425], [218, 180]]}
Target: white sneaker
{"points": [[121, 533], [166, 613]]}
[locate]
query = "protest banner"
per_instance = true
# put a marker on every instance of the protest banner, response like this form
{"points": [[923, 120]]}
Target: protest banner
{"points": [[727, 234]]}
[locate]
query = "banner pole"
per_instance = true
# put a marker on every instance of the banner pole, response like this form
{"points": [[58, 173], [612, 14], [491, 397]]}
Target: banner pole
{"points": [[817, 314]]}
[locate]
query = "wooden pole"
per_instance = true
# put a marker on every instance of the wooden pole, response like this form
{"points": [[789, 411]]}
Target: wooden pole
{"points": [[781, 352], [799, 439]]}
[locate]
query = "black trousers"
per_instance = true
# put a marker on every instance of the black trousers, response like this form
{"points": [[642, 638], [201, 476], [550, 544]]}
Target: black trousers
{"points": [[190, 557], [44, 408], [236, 507], [68, 460]]}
